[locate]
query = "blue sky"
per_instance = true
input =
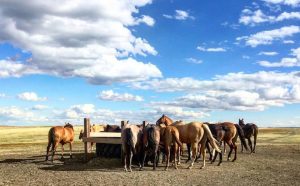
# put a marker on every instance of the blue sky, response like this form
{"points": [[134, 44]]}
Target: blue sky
{"points": [[136, 60]]}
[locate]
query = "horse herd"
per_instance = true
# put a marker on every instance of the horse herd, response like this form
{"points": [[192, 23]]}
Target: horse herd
{"points": [[146, 142]]}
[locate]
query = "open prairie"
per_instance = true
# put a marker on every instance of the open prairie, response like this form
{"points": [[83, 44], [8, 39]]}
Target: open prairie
{"points": [[22, 151]]}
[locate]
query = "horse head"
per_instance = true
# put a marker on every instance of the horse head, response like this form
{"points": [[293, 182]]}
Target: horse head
{"points": [[241, 122], [165, 120]]}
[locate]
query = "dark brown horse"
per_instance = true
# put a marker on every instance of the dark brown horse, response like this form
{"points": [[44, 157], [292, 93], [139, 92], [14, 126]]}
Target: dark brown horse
{"points": [[250, 129], [60, 135], [228, 133], [112, 128], [151, 139]]}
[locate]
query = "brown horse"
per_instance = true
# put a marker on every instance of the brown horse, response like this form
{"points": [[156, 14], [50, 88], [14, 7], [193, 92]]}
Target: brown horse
{"points": [[112, 128], [228, 133], [60, 135], [151, 139], [193, 133], [131, 136], [250, 129], [170, 136]]}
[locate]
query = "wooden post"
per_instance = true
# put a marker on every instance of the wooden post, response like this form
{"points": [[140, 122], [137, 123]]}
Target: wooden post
{"points": [[87, 145]]}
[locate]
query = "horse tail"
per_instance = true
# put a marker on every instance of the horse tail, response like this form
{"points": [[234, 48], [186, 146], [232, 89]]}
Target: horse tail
{"points": [[151, 137], [241, 135], [51, 136], [175, 135], [212, 140], [129, 139]]}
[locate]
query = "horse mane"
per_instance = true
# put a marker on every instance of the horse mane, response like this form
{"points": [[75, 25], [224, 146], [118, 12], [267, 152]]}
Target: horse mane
{"points": [[68, 125]]}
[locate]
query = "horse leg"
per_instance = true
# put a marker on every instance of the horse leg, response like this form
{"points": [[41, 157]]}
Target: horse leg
{"points": [[62, 151], [71, 149], [194, 149], [235, 152], [54, 146], [202, 150], [143, 161], [125, 161], [255, 137], [208, 149], [47, 153], [155, 161], [188, 145], [224, 147], [230, 144], [176, 151], [130, 160], [168, 157], [250, 144]]}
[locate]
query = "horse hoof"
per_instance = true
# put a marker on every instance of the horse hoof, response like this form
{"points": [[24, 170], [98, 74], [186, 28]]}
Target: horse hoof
{"points": [[190, 167], [202, 167], [219, 164], [233, 160]]}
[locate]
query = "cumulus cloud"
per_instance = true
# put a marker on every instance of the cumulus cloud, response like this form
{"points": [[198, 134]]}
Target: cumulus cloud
{"points": [[179, 15], [78, 111], [2, 95], [30, 96], [217, 49], [252, 18], [267, 37], [110, 95], [293, 3], [234, 91], [71, 39], [285, 62]]}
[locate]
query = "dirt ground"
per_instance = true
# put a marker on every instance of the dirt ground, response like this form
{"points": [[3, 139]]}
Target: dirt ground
{"points": [[272, 164]]}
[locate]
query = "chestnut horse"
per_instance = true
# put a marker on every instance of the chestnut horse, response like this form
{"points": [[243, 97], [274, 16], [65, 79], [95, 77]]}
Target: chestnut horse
{"points": [[131, 136], [170, 136], [151, 139], [250, 129], [193, 133], [60, 135]]}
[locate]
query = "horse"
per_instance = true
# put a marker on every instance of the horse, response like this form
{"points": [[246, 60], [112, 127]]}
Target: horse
{"points": [[131, 136], [250, 129], [193, 133], [228, 133], [151, 139], [60, 135], [170, 136], [112, 128]]}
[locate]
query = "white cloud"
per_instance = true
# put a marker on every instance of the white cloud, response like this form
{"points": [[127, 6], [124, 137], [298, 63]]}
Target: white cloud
{"points": [[288, 42], [89, 39], [268, 53], [110, 95], [193, 60], [245, 57], [78, 111], [39, 107], [30, 96], [179, 15], [252, 18], [293, 3], [267, 37], [285, 62], [2, 95], [217, 49], [234, 91]]}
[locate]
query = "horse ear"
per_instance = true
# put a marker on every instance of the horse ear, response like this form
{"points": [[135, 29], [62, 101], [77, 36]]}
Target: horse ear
{"points": [[163, 115], [144, 124]]}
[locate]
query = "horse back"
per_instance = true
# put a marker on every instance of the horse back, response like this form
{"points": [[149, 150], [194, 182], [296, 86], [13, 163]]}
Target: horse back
{"points": [[190, 132]]}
